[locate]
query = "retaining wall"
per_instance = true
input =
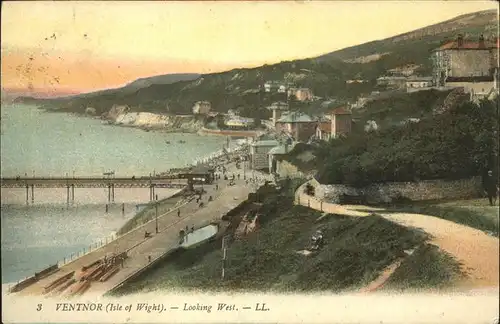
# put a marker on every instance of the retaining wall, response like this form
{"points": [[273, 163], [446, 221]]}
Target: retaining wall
{"points": [[415, 191], [301, 198]]}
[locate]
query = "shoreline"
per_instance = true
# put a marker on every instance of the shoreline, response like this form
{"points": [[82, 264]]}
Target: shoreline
{"points": [[201, 131]]}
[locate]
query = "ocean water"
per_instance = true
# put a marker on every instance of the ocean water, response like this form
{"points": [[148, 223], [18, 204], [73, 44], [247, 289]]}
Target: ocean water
{"points": [[37, 143]]}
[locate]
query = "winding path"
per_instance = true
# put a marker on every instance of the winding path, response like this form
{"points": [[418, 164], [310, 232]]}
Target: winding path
{"points": [[477, 252]]}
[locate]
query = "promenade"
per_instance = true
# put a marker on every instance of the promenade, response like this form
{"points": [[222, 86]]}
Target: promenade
{"points": [[139, 248]]}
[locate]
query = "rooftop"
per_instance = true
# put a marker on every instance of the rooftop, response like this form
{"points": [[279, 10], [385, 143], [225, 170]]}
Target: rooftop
{"points": [[266, 143], [281, 149], [341, 111], [471, 45], [419, 78]]}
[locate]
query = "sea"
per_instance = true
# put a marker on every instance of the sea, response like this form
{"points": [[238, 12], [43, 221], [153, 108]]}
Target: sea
{"points": [[38, 143]]}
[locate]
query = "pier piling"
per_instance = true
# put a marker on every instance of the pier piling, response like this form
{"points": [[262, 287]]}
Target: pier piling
{"points": [[113, 192], [73, 193], [109, 194], [67, 194], [27, 194], [32, 193]]}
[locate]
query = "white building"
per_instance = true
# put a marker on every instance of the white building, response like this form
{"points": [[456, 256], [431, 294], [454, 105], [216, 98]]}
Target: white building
{"points": [[418, 82], [278, 108], [201, 107]]}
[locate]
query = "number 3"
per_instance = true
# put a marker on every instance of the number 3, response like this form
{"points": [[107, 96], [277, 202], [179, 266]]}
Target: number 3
{"points": [[39, 307]]}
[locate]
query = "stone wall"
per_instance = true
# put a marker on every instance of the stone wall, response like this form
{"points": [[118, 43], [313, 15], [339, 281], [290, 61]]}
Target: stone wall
{"points": [[415, 191], [466, 63]]}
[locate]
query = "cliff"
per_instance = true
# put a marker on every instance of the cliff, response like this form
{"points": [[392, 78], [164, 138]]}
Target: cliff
{"points": [[171, 123]]}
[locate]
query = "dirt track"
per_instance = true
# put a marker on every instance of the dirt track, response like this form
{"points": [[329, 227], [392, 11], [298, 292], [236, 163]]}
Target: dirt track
{"points": [[477, 252]]}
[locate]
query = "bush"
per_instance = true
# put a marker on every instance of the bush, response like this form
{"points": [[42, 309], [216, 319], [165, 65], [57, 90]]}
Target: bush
{"points": [[459, 143]]}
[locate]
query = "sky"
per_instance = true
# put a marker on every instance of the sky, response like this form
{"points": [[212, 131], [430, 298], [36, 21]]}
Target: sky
{"points": [[83, 46]]}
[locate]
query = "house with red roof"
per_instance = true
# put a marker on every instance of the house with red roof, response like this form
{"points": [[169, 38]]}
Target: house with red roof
{"points": [[471, 64], [339, 123]]}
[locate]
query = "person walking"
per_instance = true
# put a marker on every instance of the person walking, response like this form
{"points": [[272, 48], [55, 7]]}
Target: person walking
{"points": [[491, 188], [178, 212]]}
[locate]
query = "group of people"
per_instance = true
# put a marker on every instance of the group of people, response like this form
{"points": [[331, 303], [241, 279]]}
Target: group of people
{"points": [[115, 260]]}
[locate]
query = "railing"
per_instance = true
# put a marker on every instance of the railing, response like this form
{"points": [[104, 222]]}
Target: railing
{"points": [[85, 251]]}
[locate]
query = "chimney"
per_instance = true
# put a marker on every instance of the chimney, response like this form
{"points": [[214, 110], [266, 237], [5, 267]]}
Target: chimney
{"points": [[481, 42], [460, 40]]}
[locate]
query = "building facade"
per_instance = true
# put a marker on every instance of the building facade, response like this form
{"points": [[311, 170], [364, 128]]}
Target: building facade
{"points": [[324, 130], [304, 94], [466, 61], [276, 153], [418, 82], [297, 125], [392, 81], [277, 86], [278, 108], [259, 153], [341, 121]]}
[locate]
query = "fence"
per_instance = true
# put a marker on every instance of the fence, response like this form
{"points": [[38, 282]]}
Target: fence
{"points": [[85, 251]]}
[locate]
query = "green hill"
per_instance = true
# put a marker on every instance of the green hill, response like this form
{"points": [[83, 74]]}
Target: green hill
{"points": [[240, 89]]}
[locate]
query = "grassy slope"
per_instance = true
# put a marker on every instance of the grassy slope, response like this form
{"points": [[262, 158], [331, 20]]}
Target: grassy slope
{"points": [[392, 111], [356, 251], [424, 269], [475, 213]]}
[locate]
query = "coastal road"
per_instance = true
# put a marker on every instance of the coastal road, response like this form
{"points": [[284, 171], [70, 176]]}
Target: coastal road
{"points": [[139, 248]]}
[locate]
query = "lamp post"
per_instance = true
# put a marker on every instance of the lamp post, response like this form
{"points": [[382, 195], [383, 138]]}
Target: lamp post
{"points": [[156, 217]]}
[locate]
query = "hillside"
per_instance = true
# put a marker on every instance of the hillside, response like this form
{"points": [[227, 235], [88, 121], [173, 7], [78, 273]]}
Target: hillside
{"points": [[356, 251], [240, 89], [162, 79]]}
